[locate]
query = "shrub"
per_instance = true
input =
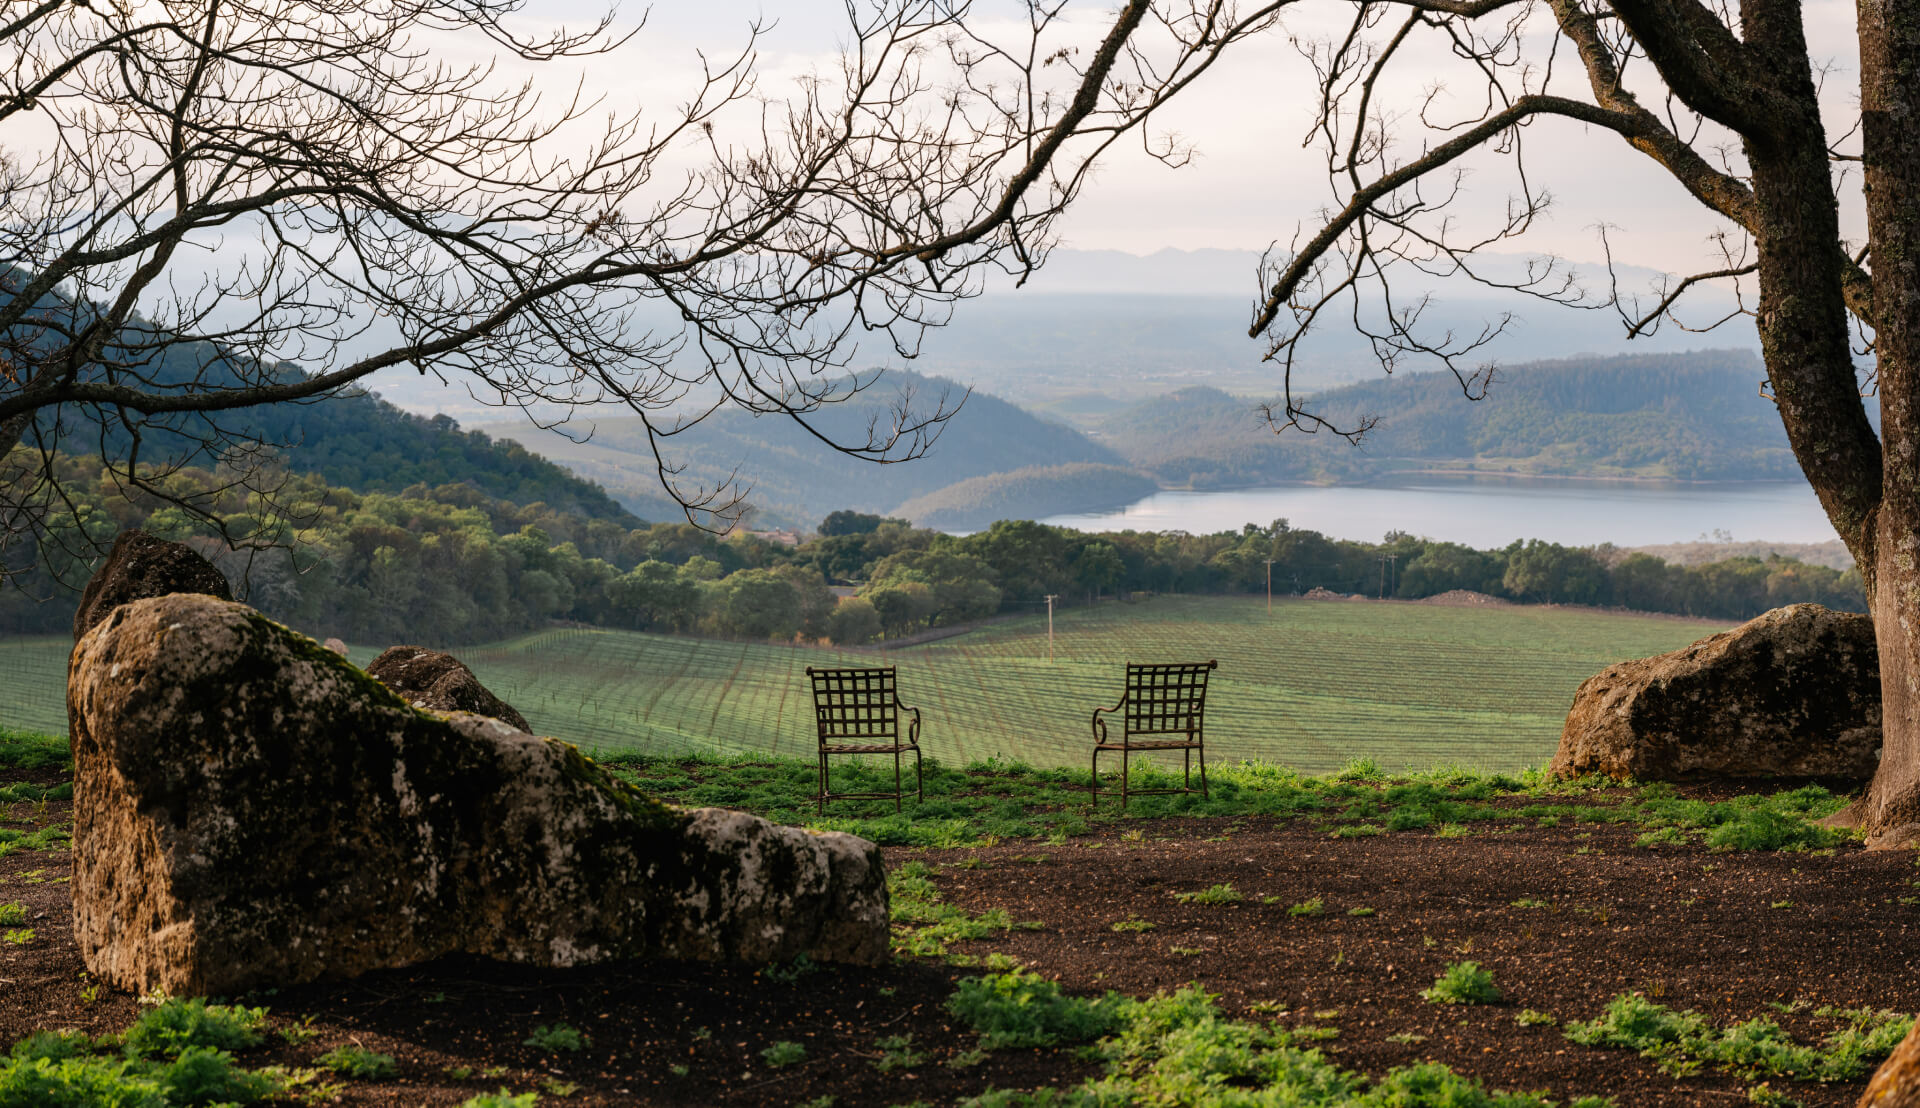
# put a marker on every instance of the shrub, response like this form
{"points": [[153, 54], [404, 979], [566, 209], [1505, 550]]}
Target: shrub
{"points": [[1462, 983]]}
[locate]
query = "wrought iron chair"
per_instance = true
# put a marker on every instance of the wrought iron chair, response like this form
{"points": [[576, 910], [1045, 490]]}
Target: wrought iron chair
{"points": [[858, 711], [1164, 700]]}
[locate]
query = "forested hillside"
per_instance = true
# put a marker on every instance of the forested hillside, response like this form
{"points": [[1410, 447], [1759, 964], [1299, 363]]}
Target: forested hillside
{"points": [[352, 439], [1032, 492], [447, 565], [1694, 417]]}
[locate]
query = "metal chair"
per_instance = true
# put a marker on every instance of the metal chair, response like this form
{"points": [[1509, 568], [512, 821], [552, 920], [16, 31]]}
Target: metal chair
{"points": [[1164, 700], [857, 711]]}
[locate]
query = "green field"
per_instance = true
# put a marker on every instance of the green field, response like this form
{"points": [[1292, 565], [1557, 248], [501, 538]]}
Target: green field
{"points": [[1312, 686]]}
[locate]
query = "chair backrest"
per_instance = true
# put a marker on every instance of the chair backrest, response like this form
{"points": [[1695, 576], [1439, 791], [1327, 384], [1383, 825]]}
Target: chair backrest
{"points": [[855, 703], [1167, 699]]}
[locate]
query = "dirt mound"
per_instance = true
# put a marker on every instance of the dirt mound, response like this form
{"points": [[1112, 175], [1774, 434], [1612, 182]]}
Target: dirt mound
{"points": [[1318, 593], [1466, 598]]}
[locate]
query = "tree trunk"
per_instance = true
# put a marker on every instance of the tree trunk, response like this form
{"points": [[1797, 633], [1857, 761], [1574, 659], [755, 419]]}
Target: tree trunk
{"points": [[1889, 30]]}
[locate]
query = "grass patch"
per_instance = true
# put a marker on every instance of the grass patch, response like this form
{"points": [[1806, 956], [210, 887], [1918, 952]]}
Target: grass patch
{"points": [[31, 750], [996, 800], [54, 837]]}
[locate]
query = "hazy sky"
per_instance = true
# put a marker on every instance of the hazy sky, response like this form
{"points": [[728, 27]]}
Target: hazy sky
{"points": [[1252, 182]]}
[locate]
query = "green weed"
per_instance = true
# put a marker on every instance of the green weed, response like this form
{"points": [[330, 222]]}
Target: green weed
{"points": [[783, 1053], [502, 1099], [897, 1053], [557, 1038], [354, 1060], [1462, 983], [1682, 1042], [174, 1025], [1213, 894], [1020, 1008], [1313, 906]]}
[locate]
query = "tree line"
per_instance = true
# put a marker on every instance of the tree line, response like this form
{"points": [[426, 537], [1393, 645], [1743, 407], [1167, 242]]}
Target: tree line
{"points": [[450, 565]]}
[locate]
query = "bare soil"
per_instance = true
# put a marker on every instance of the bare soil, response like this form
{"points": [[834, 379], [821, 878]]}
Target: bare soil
{"points": [[1729, 934]]}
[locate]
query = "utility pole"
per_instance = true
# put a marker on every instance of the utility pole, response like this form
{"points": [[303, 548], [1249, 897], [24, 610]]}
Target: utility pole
{"points": [[1050, 599], [1269, 586], [1386, 566]]}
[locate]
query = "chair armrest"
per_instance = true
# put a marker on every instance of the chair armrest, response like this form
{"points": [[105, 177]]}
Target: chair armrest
{"points": [[1100, 725], [913, 728]]}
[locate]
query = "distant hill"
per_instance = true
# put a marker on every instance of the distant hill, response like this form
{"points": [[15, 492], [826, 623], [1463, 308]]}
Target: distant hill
{"points": [[1031, 493], [356, 440], [794, 479], [1694, 416]]}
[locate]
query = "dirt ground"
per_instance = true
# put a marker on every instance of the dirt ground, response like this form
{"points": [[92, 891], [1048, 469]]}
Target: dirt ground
{"points": [[1731, 935]]}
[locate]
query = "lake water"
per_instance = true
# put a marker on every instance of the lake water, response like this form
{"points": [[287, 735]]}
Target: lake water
{"points": [[1483, 513]]}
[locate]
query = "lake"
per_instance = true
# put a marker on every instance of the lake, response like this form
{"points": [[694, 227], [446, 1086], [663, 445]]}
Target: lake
{"points": [[1491, 512]]}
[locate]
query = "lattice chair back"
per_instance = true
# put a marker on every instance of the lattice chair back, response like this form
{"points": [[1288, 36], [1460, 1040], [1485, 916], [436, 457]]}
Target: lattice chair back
{"points": [[858, 711], [857, 706], [1166, 699]]}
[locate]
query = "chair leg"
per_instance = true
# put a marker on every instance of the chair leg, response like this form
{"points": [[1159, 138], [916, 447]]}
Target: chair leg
{"points": [[1095, 802], [820, 795], [896, 780], [1202, 748], [1126, 778], [919, 779], [1186, 769]]}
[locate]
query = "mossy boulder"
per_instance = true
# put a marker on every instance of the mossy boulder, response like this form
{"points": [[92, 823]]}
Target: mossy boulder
{"points": [[252, 811], [140, 566], [438, 680], [1791, 693]]}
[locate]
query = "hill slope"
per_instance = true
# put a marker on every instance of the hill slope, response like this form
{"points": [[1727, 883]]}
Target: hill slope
{"points": [[1675, 416], [794, 478], [353, 439]]}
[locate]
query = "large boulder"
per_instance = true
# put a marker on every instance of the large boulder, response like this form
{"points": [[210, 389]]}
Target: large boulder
{"points": [[250, 810], [432, 679], [1792, 693], [1896, 1084], [140, 566]]}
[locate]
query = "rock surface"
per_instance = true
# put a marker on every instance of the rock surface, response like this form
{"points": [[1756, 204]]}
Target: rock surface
{"points": [[340, 648], [140, 566], [441, 682], [1792, 693], [250, 810], [1896, 1084]]}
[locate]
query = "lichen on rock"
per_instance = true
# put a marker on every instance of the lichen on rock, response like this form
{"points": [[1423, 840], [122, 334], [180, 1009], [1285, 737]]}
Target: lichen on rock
{"points": [[252, 810]]}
